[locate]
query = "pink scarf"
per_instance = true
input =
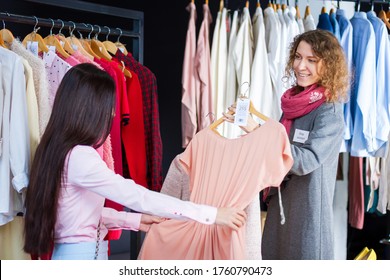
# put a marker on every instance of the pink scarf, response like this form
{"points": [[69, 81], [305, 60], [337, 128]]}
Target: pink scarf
{"points": [[297, 105]]}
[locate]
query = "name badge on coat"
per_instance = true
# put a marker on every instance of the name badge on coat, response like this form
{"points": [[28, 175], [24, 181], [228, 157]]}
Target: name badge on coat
{"points": [[300, 136]]}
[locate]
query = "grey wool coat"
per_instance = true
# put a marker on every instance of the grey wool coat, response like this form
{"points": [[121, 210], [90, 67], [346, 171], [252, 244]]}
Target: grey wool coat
{"points": [[308, 189]]}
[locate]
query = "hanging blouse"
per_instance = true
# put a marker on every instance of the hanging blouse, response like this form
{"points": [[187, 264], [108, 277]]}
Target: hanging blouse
{"points": [[204, 104], [188, 99]]}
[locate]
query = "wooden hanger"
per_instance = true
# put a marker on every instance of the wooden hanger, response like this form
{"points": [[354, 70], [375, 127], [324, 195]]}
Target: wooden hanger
{"points": [[125, 71], [98, 47], [221, 4], [247, 4], [258, 4], [307, 11], [35, 37], [86, 43], [74, 42], [2, 44], [61, 38], [252, 110], [119, 45], [298, 15], [6, 36], [51, 40], [110, 46], [323, 10], [382, 15]]}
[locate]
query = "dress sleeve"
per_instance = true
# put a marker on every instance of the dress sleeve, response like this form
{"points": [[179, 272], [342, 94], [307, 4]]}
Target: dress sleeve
{"points": [[87, 170]]}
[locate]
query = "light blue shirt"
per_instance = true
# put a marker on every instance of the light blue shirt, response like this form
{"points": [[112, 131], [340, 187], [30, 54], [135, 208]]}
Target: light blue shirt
{"points": [[335, 25], [382, 52], [363, 92], [346, 32]]}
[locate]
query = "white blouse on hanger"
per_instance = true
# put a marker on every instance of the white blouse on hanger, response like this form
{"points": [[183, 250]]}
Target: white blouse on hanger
{"points": [[14, 161], [261, 90]]}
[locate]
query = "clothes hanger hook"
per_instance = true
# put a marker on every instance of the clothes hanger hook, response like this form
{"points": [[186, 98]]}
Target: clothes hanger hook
{"points": [[89, 35], [244, 94], [109, 31], [52, 26], [97, 34], [120, 30], [62, 26], [36, 23], [71, 30]]}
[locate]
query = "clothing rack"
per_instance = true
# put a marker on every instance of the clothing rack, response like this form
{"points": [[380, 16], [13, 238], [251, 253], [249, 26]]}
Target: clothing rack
{"points": [[132, 22], [132, 18]]}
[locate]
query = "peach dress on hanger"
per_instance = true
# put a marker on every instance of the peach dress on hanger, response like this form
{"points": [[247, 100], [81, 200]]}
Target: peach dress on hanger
{"points": [[223, 173]]}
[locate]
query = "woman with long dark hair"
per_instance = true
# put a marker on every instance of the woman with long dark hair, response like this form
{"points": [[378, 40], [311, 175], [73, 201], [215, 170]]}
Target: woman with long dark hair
{"points": [[69, 181]]}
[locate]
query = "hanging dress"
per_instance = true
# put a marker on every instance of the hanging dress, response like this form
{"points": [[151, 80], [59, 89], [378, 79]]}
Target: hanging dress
{"points": [[223, 173]]}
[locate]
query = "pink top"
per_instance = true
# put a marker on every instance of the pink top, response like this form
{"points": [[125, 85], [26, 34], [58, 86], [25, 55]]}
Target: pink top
{"points": [[56, 69], [89, 181], [223, 173], [204, 97], [188, 99]]}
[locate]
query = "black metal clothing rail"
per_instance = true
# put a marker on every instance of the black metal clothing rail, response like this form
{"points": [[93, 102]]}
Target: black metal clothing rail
{"points": [[58, 23]]}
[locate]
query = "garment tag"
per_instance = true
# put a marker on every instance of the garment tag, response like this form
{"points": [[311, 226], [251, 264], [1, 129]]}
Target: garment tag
{"points": [[33, 47], [242, 111], [122, 50], [300, 136], [75, 47], [52, 48], [62, 43]]}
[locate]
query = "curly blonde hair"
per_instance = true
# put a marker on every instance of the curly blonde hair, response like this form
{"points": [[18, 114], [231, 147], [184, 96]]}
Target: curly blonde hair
{"points": [[334, 71]]}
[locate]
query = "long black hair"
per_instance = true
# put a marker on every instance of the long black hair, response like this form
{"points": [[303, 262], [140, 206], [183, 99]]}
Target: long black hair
{"points": [[82, 114]]}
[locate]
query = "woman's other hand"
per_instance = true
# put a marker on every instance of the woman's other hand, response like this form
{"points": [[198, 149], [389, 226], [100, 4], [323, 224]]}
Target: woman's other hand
{"points": [[148, 220], [251, 124], [231, 217]]}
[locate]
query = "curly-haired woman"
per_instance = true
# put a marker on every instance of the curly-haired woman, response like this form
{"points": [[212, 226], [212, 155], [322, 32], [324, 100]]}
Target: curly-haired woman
{"points": [[313, 117]]}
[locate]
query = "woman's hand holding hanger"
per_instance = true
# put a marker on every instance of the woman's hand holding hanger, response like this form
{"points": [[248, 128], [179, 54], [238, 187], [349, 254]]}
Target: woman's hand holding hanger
{"points": [[251, 124]]}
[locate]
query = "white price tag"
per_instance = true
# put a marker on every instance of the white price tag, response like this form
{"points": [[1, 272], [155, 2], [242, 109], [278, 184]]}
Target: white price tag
{"points": [[242, 111], [52, 48], [33, 47], [75, 47]]}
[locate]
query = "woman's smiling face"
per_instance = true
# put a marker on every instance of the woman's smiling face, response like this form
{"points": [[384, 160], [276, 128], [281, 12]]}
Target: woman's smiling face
{"points": [[306, 65]]}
